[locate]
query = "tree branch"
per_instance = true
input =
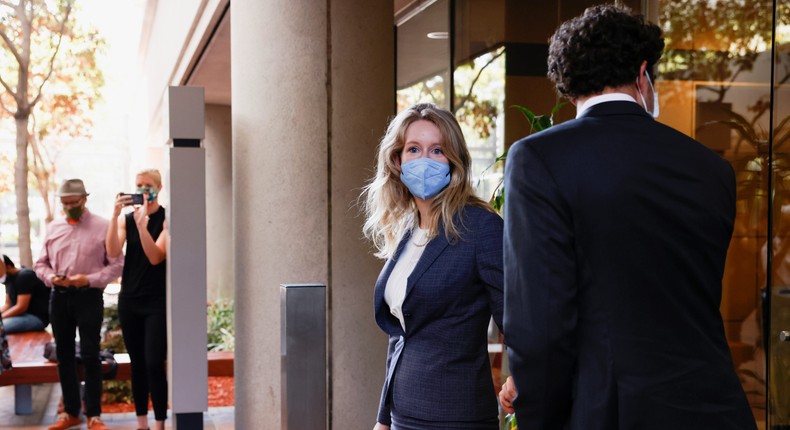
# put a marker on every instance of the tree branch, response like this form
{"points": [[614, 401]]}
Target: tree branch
{"points": [[11, 47], [4, 107], [7, 87], [31, 9], [474, 81], [54, 54]]}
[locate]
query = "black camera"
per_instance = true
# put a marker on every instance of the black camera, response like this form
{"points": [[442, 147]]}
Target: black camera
{"points": [[137, 199]]}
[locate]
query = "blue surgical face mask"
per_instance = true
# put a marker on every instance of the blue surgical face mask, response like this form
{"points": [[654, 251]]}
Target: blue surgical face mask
{"points": [[655, 98], [425, 177]]}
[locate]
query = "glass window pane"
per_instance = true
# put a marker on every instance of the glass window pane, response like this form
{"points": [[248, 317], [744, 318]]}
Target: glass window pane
{"points": [[479, 107], [423, 56], [479, 85], [714, 85], [779, 337]]}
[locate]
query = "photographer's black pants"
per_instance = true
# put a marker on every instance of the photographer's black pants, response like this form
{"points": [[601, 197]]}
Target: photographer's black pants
{"points": [[144, 326]]}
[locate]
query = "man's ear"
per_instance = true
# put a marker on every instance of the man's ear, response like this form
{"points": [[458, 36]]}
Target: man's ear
{"points": [[643, 85]]}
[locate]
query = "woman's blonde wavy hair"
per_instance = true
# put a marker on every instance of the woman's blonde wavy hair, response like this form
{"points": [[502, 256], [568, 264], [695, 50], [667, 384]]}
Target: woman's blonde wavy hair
{"points": [[389, 207], [154, 174]]}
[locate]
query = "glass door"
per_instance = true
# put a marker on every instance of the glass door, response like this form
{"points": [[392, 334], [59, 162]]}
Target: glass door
{"points": [[724, 81], [777, 297]]}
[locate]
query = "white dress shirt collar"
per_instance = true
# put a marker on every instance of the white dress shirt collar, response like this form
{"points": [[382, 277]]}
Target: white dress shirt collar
{"points": [[610, 97]]}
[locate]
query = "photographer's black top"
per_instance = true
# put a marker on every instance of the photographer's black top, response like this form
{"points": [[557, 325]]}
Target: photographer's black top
{"points": [[140, 278]]}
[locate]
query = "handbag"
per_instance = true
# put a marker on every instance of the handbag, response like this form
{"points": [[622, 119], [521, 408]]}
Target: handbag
{"points": [[5, 353], [105, 355]]}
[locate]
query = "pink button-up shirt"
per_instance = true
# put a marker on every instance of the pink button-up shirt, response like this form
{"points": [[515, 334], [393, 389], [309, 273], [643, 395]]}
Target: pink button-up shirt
{"points": [[74, 249]]}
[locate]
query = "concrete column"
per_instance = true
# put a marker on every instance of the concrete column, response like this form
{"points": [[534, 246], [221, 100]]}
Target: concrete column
{"points": [[363, 99], [219, 203], [187, 367], [312, 91], [280, 201]]}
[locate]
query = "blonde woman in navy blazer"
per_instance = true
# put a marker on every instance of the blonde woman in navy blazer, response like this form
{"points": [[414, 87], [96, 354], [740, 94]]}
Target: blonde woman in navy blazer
{"points": [[442, 280]]}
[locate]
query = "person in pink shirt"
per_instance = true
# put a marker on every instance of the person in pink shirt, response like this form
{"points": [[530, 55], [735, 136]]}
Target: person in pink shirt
{"points": [[75, 264]]}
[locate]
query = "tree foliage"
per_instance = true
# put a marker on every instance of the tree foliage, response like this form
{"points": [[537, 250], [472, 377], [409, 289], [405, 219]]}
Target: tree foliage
{"points": [[716, 40], [50, 82]]}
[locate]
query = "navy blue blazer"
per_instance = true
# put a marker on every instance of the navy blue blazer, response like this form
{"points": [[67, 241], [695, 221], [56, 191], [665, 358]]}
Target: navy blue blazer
{"points": [[616, 234], [438, 370]]}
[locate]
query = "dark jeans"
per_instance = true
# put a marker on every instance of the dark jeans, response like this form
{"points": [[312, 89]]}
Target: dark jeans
{"points": [[23, 323], [144, 326], [71, 310]]}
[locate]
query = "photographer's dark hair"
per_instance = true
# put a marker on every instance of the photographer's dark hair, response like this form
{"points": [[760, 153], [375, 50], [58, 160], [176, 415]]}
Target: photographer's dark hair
{"points": [[602, 48]]}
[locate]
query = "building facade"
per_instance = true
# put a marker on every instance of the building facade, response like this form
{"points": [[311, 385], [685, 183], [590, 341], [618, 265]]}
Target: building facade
{"points": [[299, 92]]}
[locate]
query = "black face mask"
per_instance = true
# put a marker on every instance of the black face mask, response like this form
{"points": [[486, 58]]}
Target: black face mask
{"points": [[75, 212]]}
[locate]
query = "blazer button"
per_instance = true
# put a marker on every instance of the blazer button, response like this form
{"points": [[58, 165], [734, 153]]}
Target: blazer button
{"points": [[407, 314]]}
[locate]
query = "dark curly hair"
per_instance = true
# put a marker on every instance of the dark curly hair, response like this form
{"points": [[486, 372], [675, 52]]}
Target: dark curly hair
{"points": [[602, 48]]}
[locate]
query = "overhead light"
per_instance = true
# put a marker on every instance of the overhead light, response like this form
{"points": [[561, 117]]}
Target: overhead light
{"points": [[438, 35]]}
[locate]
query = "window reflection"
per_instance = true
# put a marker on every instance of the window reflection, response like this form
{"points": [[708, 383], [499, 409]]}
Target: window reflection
{"points": [[716, 87], [479, 107], [423, 56]]}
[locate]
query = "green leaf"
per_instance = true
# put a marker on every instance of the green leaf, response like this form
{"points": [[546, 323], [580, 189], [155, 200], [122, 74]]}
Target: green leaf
{"points": [[541, 123], [510, 422], [527, 113], [557, 108], [537, 123]]}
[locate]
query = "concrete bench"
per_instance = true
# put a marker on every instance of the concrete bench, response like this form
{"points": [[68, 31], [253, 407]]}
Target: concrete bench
{"points": [[30, 367]]}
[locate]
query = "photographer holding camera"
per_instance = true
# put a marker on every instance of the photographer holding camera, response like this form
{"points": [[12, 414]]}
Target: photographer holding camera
{"points": [[142, 303]]}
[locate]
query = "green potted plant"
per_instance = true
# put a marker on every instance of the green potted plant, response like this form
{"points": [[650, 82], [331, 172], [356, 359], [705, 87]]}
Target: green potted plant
{"points": [[536, 123]]}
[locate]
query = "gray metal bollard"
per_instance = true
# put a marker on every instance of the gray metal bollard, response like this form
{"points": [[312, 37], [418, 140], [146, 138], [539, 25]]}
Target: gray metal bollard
{"points": [[303, 356]]}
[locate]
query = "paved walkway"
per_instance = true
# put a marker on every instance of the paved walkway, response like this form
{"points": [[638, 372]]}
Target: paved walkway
{"points": [[45, 405]]}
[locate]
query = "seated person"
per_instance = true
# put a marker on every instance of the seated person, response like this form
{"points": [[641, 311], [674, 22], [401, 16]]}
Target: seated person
{"points": [[26, 305]]}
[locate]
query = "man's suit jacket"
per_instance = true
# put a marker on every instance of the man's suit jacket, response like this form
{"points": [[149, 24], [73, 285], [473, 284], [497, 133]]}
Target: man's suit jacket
{"points": [[438, 370], [616, 234]]}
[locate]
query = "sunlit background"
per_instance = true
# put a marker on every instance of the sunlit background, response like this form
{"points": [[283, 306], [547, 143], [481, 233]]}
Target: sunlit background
{"points": [[99, 156], [477, 58]]}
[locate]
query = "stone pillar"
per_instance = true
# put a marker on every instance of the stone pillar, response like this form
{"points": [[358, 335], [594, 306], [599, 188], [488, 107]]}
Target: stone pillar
{"points": [[312, 91], [187, 368], [363, 100], [219, 203]]}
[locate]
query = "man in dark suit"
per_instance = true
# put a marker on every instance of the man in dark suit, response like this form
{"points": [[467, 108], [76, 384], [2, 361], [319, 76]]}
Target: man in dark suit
{"points": [[616, 234]]}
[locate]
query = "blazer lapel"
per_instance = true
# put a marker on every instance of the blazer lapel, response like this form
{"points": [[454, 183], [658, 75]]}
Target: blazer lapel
{"points": [[381, 283], [433, 249]]}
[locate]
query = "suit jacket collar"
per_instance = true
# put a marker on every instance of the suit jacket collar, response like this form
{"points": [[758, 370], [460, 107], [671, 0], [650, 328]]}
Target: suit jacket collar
{"points": [[614, 108], [581, 107]]}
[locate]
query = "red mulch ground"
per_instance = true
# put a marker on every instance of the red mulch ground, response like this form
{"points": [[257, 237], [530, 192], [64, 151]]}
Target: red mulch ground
{"points": [[220, 393]]}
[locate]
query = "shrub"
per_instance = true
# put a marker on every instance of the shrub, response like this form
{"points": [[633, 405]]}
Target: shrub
{"points": [[114, 391], [221, 333]]}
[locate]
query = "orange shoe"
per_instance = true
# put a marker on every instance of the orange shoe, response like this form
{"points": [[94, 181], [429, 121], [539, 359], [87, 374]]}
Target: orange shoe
{"points": [[95, 423], [66, 422]]}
